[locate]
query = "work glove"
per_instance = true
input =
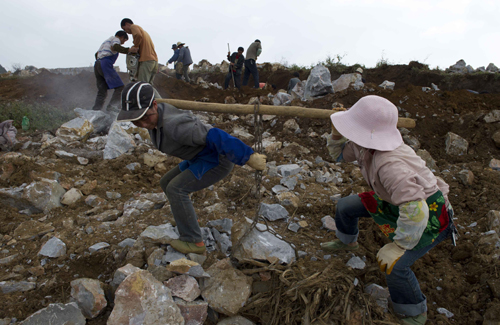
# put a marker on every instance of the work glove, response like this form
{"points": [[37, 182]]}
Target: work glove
{"points": [[257, 161], [387, 257]]}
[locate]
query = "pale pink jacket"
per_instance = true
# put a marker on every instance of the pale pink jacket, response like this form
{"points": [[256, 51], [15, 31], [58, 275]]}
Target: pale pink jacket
{"points": [[396, 176]]}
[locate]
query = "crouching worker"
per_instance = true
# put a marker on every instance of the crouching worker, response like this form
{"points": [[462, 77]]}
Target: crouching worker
{"points": [[408, 203], [209, 155]]}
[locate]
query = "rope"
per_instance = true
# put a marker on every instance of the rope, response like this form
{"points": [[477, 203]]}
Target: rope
{"points": [[258, 127]]}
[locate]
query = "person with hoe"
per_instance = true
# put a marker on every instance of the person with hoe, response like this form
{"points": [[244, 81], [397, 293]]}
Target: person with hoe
{"points": [[209, 156], [408, 203], [237, 59]]}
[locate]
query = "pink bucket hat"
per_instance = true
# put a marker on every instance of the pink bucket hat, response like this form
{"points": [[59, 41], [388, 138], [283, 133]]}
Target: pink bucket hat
{"points": [[370, 123]]}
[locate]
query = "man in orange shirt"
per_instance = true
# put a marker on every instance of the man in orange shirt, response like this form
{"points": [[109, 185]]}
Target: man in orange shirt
{"points": [[148, 60]]}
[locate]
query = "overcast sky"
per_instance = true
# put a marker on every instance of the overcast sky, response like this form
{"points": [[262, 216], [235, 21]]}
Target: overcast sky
{"points": [[62, 34]]}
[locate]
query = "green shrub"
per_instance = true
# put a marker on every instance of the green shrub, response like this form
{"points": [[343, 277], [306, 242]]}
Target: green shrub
{"points": [[41, 116]]}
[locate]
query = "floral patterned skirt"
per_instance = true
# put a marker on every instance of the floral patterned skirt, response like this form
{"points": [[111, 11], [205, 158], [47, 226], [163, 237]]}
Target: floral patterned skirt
{"points": [[386, 215]]}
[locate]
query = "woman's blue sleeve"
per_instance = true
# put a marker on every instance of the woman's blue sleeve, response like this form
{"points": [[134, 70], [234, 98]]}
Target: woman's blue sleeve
{"points": [[225, 144]]}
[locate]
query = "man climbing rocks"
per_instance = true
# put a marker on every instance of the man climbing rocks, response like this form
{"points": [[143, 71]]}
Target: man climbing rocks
{"points": [[184, 58]]}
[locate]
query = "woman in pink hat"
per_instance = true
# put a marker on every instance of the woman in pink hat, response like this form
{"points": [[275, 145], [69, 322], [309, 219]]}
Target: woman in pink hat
{"points": [[408, 203]]}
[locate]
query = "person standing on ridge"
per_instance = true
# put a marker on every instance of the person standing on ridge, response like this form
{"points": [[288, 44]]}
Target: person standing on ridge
{"points": [[209, 156], [184, 58], [105, 74], [148, 60], [237, 59], [253, 52]]}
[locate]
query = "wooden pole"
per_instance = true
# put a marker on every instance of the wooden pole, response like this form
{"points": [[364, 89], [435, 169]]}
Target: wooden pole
{"points": [[294, 111]]}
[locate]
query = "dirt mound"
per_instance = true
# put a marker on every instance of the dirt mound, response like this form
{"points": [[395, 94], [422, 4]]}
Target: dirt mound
{"points": [[462, 279]]}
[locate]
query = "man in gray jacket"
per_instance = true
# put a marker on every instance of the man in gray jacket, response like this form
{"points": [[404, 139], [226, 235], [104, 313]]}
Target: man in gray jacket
{"points": [[185, 58], [253, 52], [209, 156]]}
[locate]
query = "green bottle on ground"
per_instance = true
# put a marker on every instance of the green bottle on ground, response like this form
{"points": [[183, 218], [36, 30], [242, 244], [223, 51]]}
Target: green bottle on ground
{"points": [[26, 123]]}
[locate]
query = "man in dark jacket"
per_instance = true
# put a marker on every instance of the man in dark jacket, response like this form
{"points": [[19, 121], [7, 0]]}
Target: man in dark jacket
{"points": [[209, 156], [253, 52], [185, 58], [236, 65]]}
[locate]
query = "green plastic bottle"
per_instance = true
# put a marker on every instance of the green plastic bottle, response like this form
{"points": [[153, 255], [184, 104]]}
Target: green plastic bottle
{"points": [[26, 123]]}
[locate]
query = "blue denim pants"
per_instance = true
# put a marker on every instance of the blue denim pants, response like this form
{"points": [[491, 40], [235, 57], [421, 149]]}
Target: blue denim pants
{"points": [[251, 68], [178, 185], [406, 296]]}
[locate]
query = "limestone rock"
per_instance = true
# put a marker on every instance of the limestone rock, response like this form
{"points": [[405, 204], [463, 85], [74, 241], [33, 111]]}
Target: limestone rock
{"points": [[15, 286], [184, 286], [194, 312], [101, 120], [142, 300], [347, 80], [118, 142], [242, 134], [282, 99], [288, 198], [459, 67], [45, 194], [493, 116], [261, 245], [71, 197], [318, 83], [89, 295], [162, 234], [273, 212], [466, 176], [429, 161], [96, 247], [31, 230], [494, 164], [75, 130], [492, 68], [121, 274], [387, 85], [291, 125], [109, 215], [289, 170], [57, 314], [227, 289], [153, 157], [54, 247], [329, 223], [456, 145], [141, 204]]}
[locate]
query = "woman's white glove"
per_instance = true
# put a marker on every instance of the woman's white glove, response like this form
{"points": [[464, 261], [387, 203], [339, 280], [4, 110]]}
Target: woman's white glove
{"points": [[387, 257], [257, 161]]}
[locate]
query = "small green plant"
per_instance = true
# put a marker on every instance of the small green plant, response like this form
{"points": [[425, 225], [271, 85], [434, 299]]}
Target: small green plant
{"points": [[334, 64], [16, 67], [41, 116], [383, 61]]}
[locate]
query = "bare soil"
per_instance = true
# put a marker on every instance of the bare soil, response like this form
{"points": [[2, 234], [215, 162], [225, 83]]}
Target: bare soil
{"points": [[461, 279]]}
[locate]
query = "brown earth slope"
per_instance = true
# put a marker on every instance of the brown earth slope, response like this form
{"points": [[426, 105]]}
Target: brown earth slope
{"points": [[462, 279]]}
